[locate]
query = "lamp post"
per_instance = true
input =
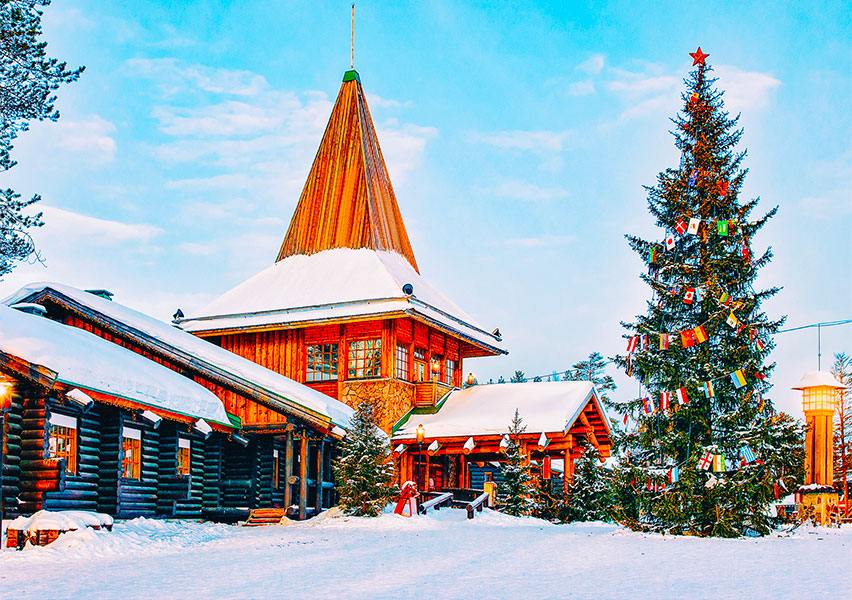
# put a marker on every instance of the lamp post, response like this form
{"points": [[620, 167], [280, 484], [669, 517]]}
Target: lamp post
{"points": [[420, 432], [471, 380], [819, 397], [5, 406]]}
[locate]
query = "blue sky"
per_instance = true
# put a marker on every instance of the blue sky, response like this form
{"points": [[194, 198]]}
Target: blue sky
{"points": [[518, 139]]}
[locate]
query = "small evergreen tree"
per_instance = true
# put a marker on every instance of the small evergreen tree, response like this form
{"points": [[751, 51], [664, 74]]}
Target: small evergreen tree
{"points": [[591, 494], [593, 370], [518, 377], [516, 491], [365, 471], [842, 371]]}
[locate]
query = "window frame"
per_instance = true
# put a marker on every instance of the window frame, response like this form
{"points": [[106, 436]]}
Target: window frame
{"points": [[332, 354], [403, 357], [64, 427], [364, 356], [184, 456], [450, 369], [132, 465], [276, 467]]}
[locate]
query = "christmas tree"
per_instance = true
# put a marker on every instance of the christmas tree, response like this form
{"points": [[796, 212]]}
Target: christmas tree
{"points": [[516, 491], [365, 472], [591, 494], [708, 449]]}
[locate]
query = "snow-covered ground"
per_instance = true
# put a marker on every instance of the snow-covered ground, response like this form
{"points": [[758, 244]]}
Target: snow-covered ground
{"points": [[440, 556]]}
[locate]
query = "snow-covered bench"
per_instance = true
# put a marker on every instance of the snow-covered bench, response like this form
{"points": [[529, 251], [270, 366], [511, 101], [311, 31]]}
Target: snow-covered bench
{"points": [[44, 527]]}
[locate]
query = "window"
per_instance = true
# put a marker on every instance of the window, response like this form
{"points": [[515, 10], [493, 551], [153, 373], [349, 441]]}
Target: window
{"points": [[183, 457], [275, 467], [402, 362], [449, 371], [131, 453], [420, 364], [365, 358], [62, 442], [322, 362]]}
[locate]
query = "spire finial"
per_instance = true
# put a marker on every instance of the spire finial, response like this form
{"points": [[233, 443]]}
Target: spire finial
{"points": [[352, 49]]}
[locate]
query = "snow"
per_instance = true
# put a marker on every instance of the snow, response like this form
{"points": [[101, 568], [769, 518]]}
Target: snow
{"points": [[87, 361], [441, 555], [284, 388], [544, 406], [60, 520], [818, 378], [333, 284]]}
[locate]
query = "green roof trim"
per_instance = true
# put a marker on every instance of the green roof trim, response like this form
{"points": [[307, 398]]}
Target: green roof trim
{"points": [[420, 410], [350, 75]]}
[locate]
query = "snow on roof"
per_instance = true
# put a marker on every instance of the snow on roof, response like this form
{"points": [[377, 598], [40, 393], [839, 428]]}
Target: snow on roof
{"points": [[85, 360], [548, 406], [818, 378], [336, 283], [202, 350]]}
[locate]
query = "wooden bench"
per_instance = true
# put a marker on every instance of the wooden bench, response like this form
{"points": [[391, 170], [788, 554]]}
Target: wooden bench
{"points": [[265, 516]]}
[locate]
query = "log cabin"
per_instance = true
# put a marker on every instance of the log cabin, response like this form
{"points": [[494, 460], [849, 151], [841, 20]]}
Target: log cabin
{"points": [[465, 435], [117, 411], [344, 308]]}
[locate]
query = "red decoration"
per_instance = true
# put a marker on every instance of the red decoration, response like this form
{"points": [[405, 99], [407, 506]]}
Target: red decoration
{"points": [[407, 497], [723, 188], [698, 57]]}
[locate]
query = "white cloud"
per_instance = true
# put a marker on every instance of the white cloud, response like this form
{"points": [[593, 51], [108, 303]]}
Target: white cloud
{"points": [[592, 65], [528, 191], [378, 101], [173, 77], [227, 118], [403, 146], [198, 249], [745, 90], [71, 225], [638, 84], [581, 88], [89, 138]]}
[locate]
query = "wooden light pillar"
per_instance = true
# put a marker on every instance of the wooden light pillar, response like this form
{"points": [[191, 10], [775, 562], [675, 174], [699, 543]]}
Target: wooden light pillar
{"points": [[303, 477], [320, 459], [819, 398], [288, 469]]}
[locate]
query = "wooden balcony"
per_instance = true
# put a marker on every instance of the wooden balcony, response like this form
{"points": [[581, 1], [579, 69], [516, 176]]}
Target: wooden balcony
{"points": [[427, 393]]}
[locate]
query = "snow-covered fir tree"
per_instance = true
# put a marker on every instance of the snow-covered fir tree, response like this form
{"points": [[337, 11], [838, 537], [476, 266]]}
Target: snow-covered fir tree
{"points": [[700, 349], [516, 491], [365, 471], [591, 494]]}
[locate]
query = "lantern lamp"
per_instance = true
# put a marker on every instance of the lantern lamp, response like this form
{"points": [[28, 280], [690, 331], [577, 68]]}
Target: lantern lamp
{"points": [[420, 431], [436, 367], [471, 379]]}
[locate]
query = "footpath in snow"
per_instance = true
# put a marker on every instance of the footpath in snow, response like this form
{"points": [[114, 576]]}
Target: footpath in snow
{"points": [[443, 555]]}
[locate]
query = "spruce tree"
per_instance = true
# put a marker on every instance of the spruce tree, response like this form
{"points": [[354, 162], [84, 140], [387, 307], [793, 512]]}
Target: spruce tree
{"points": [[704, 341], [365, 471], [593, 370], [516, 491], [591, 494], [842, 371]]}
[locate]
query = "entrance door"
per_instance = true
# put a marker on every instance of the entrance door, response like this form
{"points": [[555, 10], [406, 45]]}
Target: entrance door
{"points": [[421, 372]]}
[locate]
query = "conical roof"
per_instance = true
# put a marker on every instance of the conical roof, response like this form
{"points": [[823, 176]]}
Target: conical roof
{"points": [[348, 200]]}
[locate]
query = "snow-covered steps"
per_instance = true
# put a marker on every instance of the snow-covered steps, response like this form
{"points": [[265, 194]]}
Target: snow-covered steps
{"points": [[265, 516]]}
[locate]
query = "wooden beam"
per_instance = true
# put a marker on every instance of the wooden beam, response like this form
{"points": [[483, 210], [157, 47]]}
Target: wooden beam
{"points": [[320, 450], [303, 477], [18, 367], [288, 469]]}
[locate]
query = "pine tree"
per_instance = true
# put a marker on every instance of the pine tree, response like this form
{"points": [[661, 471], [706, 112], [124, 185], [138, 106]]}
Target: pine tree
{"points": [[842, 371], [703, 298], [593, 370], [28, 79], [517, 489], [591, 494], [518, 377], [365, 471]]}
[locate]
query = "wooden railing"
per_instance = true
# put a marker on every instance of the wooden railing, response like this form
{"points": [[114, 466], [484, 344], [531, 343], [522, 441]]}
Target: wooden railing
{"points": [[445, 499], [427, 393], [477, 504]]}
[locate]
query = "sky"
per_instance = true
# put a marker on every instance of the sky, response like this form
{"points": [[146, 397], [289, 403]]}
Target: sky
{"points": [[518, 137]]}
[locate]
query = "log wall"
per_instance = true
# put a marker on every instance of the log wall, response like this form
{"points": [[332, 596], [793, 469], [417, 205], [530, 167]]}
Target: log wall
{"points": [[81, 488]]}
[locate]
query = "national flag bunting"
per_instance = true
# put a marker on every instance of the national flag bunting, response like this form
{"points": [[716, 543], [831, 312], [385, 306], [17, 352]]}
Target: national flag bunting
{"points": [[732, 227], [758, 344], [664, 400], [674, 290], [670, 241], [687, 338], [718, 463], [689, 296], [652, 256], [722, 227], [738, 378], [673, 475], [693, 177], [626, 419], [732, 320], [648, 405], [725, 299], [708, 389], [632, 342], [680, 226], [746, 251], [693, 226], [664, 341], [747, 455], [700, 334], [643, 342], [681, 395], [761, 405], [706, 461]]}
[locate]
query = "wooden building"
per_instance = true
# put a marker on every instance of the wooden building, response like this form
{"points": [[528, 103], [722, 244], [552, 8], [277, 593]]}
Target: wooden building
{"points": [[116, 411], [466, 432], [344, 308]]}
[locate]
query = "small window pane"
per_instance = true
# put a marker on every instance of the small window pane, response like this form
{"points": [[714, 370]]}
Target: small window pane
{"points": [[131, 458], [322, 362], [62, 443], [402, 362], [365, 359]]}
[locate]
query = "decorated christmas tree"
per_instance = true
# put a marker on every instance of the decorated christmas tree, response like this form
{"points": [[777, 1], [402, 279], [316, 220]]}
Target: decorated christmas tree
{"points": [[365, 472], [704, 449], [517, 489]]}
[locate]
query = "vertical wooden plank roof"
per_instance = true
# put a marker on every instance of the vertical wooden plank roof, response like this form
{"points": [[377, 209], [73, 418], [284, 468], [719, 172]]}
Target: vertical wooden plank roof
{"points": [[348, 199]]}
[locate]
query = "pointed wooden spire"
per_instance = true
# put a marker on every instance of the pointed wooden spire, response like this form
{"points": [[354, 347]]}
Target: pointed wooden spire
{"points": [[348, 200]]}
